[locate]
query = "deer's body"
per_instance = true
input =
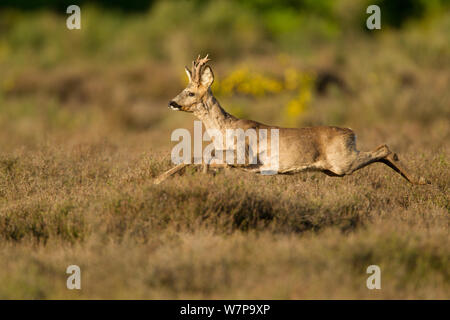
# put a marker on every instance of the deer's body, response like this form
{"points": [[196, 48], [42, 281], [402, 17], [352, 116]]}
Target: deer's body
{"points": [[331, 150]]}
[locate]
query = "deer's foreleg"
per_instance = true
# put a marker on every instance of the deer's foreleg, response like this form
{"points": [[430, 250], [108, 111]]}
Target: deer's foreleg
{"points": [[162, 177], [170, 172]]}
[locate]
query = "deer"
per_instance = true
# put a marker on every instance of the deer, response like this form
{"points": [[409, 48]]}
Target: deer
{"points": [[328, 149]]}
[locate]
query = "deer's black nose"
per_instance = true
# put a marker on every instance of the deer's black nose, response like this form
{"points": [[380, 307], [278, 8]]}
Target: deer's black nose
{"points": [[174, 105]]}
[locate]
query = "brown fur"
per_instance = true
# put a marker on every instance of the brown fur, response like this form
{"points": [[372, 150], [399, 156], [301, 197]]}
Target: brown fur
{"points": [[331, 150]]}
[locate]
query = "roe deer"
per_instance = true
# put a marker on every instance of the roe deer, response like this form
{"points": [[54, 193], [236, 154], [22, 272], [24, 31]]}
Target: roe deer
{"points": [[331, 150]]}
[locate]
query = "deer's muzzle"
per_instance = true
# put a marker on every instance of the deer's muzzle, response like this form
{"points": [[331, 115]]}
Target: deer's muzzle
{"points": [[174, 106]]}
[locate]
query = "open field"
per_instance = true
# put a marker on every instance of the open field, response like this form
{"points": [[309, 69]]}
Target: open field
{"points": [[86, 129]]}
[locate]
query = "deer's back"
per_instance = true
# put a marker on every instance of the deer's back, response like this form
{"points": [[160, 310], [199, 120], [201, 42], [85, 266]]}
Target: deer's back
{"points": [[315, 146], [318, 147]]}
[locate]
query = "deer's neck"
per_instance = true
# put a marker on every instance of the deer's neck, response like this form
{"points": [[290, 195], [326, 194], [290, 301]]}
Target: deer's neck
{"points": [[214, 116]]}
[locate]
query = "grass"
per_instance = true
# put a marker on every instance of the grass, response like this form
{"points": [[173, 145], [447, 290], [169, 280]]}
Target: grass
{"points": [[83, 139]]}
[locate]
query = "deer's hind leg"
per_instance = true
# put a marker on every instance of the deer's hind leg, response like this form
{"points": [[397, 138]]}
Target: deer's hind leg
{"points": [[393, 162], [365, 158], [384, 155]]}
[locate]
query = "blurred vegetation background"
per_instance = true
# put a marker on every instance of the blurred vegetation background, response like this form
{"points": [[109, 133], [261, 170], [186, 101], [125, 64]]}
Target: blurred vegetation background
{"points": [[291, 50], [86, 129], [245, 27]]}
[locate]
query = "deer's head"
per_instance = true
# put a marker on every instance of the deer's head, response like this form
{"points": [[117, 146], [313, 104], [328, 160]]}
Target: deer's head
{"points": [[200, 80]]}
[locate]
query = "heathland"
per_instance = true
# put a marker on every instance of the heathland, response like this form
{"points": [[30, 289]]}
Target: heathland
{"points": [[85, 129]]}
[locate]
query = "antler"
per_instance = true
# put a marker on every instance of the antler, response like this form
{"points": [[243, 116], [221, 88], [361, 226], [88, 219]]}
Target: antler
{"points": [[197, 66]]}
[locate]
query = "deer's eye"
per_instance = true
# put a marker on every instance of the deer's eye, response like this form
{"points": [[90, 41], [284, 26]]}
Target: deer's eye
{"points": [[191, 94]]}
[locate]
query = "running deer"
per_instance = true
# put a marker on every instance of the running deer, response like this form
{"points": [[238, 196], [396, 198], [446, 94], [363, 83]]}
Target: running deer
{"points": [[331, 150]]}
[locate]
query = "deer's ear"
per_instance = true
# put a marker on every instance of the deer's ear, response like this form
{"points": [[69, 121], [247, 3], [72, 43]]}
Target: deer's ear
{"points": [[189, 74], [207, 77]]}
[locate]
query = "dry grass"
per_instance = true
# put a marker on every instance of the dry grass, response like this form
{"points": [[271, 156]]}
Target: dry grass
{"points": [[228, 235], [81, 145]]}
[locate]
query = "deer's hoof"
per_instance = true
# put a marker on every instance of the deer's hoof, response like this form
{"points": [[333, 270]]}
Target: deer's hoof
{"points": [[423, 181]]}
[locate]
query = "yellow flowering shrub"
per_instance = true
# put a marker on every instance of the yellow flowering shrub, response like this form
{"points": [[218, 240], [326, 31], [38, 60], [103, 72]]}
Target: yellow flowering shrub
{"points": [[304, 83], [250, 83]]}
